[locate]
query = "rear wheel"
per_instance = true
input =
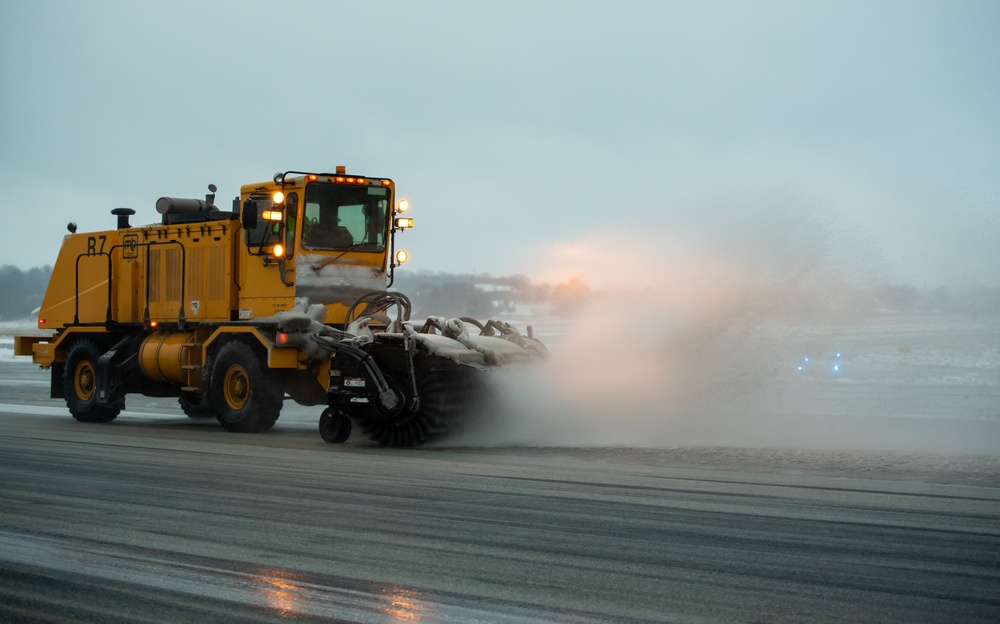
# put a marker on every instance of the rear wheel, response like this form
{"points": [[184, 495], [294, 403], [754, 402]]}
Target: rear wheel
{"points": [[243, 398], [80, 384], [196, 405]]}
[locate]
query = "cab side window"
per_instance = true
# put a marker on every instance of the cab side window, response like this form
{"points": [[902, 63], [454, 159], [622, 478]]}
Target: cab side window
{"points": [[265, 229]]}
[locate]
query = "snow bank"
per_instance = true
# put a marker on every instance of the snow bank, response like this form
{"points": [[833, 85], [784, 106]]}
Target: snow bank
{"points": [[9, 329]]}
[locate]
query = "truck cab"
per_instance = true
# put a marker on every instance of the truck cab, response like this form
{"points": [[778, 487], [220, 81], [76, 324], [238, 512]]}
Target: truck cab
{"points": [[322, 237]]}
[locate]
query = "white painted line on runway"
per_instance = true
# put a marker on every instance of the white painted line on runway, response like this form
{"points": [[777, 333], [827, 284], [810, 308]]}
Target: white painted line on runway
{"points": [[24, 382], [46, 410]]}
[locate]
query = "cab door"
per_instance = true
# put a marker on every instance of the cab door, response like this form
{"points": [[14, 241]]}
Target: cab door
{"points": [[266, 278]]}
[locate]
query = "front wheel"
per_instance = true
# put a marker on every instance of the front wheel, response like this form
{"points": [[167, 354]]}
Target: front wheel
{"points": [[243, 398], [334, 426], [80, 384]]}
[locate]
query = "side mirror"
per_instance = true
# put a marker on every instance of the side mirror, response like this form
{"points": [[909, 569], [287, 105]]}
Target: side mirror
{"points": [[249, 214]]}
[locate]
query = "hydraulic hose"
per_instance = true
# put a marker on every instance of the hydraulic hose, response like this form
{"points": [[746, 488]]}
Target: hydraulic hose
{"points": [[387, 398]]}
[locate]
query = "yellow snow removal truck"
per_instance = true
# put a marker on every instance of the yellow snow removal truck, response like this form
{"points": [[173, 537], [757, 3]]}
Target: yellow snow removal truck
{"points": [[286, 294]]}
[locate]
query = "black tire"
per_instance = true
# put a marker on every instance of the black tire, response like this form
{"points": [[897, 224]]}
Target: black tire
{"points": [[199, 404], [80, 384], [243, 397], [334, 426], [196, 405]]}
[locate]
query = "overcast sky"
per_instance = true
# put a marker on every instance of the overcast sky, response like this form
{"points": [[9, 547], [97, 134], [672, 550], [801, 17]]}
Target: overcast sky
{"points": [[541, 138]]}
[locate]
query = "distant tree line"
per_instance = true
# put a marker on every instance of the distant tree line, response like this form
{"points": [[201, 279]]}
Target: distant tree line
{"points": [[21, 291], [445, 294], [910, 299], [485, 296]]}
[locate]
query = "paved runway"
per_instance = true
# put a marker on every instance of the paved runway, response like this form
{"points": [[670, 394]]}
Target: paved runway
{"points": [[159, 518]]}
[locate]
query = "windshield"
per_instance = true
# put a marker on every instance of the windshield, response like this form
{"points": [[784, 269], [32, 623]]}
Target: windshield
{"points": [[341, 216]]}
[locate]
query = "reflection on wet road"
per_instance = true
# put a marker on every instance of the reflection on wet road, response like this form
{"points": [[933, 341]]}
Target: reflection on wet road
{"points": [[262, 590]]}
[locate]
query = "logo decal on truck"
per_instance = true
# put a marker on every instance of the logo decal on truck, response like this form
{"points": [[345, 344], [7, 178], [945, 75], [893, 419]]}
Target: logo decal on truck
{"points": [[130, 243]]}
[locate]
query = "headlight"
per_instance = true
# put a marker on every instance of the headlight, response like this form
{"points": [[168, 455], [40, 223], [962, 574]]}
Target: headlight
{"points": [[401, 256], [403, 206]]}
